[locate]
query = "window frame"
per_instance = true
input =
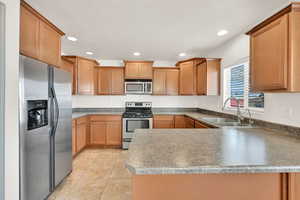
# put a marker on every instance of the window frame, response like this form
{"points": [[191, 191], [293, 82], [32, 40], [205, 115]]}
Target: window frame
{"points": [[225, 95]]}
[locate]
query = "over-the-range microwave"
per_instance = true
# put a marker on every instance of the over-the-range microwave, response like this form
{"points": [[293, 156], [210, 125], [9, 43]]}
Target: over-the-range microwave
{"points": [[138, 86]]}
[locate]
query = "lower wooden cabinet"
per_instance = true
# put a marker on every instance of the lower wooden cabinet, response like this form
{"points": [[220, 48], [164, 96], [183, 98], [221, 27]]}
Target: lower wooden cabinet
{"points": [[81, 133], [179, 121], [106, 130], [294, 186], [74, 137], [189, 122], [163, 121], [176, 121], [200, 125]]}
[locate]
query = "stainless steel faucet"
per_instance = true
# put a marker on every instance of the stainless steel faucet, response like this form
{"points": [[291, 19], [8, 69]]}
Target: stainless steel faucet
{"points": [[238, 111]]}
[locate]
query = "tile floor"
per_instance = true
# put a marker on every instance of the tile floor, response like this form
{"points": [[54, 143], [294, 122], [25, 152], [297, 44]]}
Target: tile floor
{"points": [[98, 174]]}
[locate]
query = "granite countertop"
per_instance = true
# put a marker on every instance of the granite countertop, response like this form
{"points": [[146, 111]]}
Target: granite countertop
{"points": [[82, 114], [225, 150]]}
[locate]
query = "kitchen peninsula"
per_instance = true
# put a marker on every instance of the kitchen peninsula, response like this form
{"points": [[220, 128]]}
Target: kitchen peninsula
{"points": [[207, 164]]}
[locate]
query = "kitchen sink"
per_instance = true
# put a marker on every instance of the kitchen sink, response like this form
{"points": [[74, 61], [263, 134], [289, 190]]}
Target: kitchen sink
{"points": [[226, 122]]}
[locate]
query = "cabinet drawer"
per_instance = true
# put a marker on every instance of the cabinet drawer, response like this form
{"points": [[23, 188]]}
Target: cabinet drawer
{"points": [[163, 117], [95, 118]]}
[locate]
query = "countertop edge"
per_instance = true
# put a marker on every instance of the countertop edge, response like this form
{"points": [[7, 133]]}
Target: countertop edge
{"points": [[212, 170]]}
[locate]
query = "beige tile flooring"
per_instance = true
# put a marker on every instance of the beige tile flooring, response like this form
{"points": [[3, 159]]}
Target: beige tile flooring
{"points": [[98, 174]]}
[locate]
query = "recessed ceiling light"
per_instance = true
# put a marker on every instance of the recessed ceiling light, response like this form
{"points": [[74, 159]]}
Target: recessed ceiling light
{"points": [[182, 54], [71, 38], [222, 32], [89, 53], [137, 53]]}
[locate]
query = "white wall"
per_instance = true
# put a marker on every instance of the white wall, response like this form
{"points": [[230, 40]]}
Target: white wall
{"points": [[279, 108], [118, 63], [119, 101], [11, 99]]}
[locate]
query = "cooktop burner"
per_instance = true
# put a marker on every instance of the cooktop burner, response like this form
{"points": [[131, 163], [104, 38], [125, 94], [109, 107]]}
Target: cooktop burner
{"points": [[138, 110]]}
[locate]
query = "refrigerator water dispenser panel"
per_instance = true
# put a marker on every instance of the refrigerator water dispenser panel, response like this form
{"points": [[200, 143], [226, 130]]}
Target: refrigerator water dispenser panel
{"points": [[37, 111]]}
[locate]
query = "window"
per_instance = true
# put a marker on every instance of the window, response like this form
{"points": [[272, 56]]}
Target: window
{"points": [[236, 84]]}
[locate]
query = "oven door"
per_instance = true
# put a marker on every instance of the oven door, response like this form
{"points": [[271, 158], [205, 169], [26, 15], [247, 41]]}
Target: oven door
{"points": [[131, 124], [134, 87]]}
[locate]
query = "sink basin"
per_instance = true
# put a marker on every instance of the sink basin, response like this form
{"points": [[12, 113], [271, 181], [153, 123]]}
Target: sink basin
{"points": [[225, 122], [219, 120]]}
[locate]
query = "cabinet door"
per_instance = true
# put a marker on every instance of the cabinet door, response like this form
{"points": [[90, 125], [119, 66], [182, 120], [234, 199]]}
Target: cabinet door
{"points": [[163, 121], [81, 136], [159, 82], [85, 77], [294, 186], [29, 33], [269, 56], [50, 42], [189, 123], [202, 79], [74, 135], [180, 121], [104, 81], [114, 133], [98, 133], [199, 125], [132, 70], [117, 84], [172, 82], [145, 70], [187, 78]]}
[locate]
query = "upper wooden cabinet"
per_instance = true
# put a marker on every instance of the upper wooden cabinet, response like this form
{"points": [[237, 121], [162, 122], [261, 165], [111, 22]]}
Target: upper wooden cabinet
{"points": [[188, 76], [110, 80], [274, 50], [85, 76], [165, 81], [138, 69], [39, 38], [208, 77], [68, 66]]}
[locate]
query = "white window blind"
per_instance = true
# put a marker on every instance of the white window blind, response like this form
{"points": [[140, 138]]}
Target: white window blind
{"points": [[236, 84]]}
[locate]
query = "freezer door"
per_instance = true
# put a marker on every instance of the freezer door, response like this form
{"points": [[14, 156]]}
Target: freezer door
{"points": [[62, 86], [34, 133]]}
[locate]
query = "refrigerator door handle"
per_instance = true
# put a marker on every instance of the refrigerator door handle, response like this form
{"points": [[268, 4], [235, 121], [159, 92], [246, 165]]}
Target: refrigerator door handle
{"points": [[56, 113]]}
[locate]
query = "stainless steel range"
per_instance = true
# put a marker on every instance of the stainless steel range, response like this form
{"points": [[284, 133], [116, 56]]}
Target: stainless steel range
{"points": [[138, 115]]}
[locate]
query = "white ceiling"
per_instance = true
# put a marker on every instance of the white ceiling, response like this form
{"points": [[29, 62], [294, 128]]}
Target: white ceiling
{"points": [[159, 29]]}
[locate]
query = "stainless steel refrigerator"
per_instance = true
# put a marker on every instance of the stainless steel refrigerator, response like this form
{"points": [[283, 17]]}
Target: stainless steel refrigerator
{"points": [[45, 128]]}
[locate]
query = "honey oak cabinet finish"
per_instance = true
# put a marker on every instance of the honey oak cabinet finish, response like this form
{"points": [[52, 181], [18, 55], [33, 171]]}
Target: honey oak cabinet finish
{"points": [[106, 130], [68, 66], [200, 125], [29, 33], [165, 81], [81, 133], [84, 75], [39, 38], [189, 122], [110, 81], [74, 137], [180, 121], [209, 77], [256, 186], [163, 121], [188, 76], [294, 186], [98, 133], [274, 50], [138, 69]]}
